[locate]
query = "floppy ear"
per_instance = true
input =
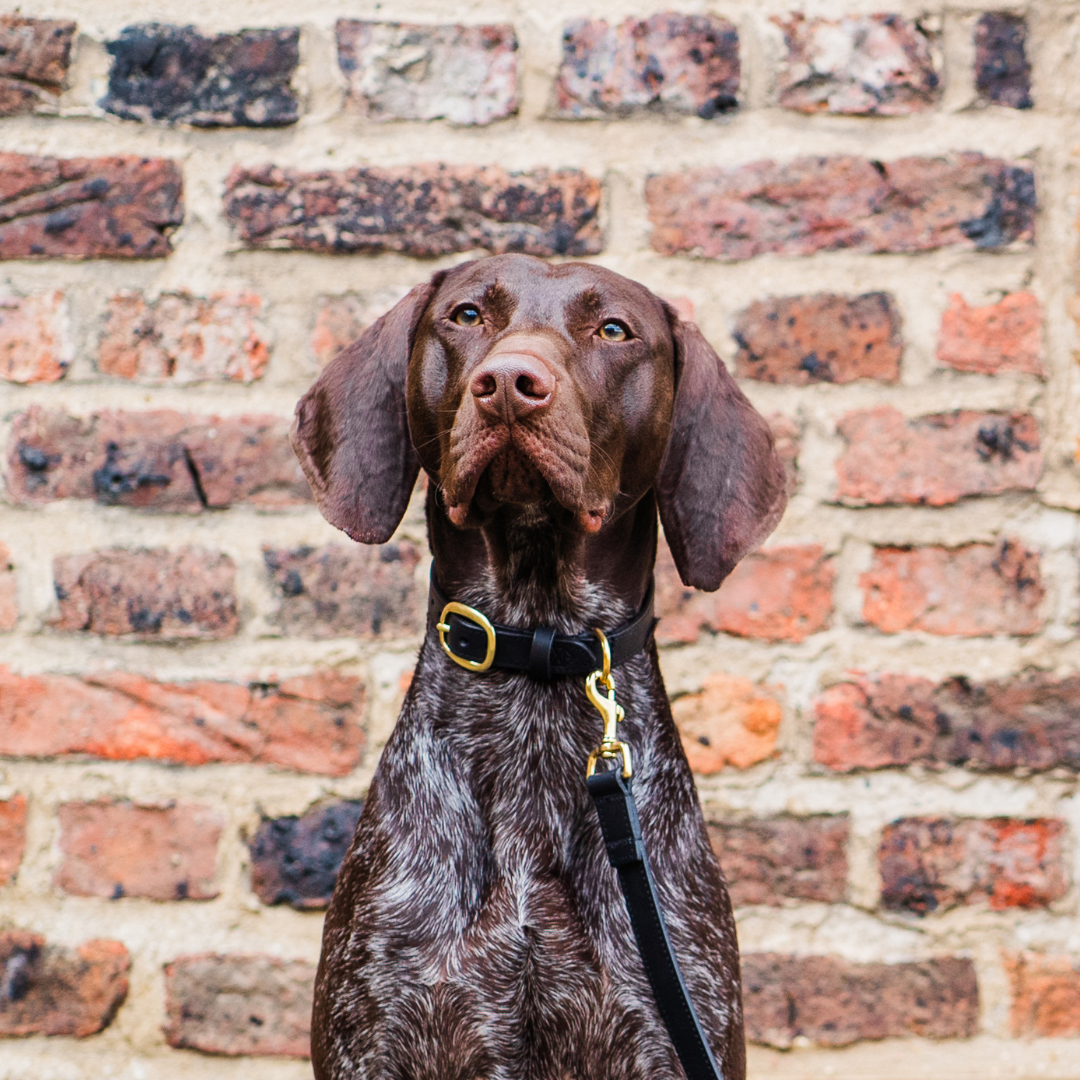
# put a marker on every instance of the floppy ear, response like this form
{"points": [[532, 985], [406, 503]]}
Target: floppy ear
{"points": [[351, 432], [721, 488]]}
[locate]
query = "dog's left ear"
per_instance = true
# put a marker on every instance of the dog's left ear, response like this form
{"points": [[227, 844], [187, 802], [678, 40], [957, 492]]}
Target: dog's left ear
{"points": [[351, 432], [721, 488]]}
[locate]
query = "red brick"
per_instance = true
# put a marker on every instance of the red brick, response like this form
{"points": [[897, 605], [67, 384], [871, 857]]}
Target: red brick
{"points": [[158, 460], [340, 320], [827, 203], [309, 723], [729, 722], [880, 720], [935, 460], [9, 596], [966, 591], [51, 990], [835, 1002], [34, 59], [152, 593], [768, 860], [779, 594], [933, 864], [868, 65], [175, 74], [418, 210], [183, 338], [237, 1005], [12, 836], [822, 338], [670, 63], [348, 591], [1002, 70], [415, 71], [34, 341], [1045, 995], [1006, 336], [88, 208], [786, 436], [116, 849]]}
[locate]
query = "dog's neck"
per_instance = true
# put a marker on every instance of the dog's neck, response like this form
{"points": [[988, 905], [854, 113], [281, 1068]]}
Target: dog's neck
{"points": [[529, 567]]}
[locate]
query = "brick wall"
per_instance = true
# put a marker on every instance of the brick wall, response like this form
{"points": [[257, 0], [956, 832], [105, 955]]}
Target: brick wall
{"points": [[872, 218]]}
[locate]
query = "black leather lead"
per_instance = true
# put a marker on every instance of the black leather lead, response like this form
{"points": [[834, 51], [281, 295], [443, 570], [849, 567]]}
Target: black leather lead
{"points": [[619, 824]]}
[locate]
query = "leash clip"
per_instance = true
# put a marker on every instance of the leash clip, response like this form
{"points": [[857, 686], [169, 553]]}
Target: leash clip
{"points": [[611, 712]]}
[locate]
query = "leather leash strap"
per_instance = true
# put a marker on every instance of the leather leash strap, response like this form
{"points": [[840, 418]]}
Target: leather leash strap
{"points": [[619, 824]]}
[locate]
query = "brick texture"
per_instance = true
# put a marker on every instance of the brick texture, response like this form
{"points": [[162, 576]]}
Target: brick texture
{"points": [[295, 860], [340, 320], [88, 208], [9, 595], [159, 460], [1002, 70], [309, 723], [933, 864], [879, 720], [173, 74], [151, 593], [729, 722], [411, 71], [51, 990], [869, 65], [34, 342], [238, 1005], [184, 338], [834, 1002], [770, 860], [825, 203], [798, 340], [786, 438], [670, 63], [1006, 336], [348, 591], [779, 594], [935, 460], [117, 849], [968, 591], [423, 210], [1045, 995], [12, 836], [34, 59]]}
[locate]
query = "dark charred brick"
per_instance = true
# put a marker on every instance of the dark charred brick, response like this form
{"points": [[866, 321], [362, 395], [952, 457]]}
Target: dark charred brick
{"points": [[50, 990], [175, 74], [236, 1005], [34, 59], [420, 210], [881, 720], [769, 859], [933, 864], [153, 594], [1002, 71], [835, 1002], [88, 208], [295, 860], [355, 591], [156, 460], [821, 338], [670, 63], [815, 204]]}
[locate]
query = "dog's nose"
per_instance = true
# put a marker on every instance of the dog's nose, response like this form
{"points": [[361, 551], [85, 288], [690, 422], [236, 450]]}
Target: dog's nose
{"points": [[512, 387]]}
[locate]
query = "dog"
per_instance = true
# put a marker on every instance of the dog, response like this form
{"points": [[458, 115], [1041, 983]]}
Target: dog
{"points": [[477, 930]]}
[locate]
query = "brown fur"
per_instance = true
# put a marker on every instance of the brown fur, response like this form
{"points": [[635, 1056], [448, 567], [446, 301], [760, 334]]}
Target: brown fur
{"points": [[476, 930]]}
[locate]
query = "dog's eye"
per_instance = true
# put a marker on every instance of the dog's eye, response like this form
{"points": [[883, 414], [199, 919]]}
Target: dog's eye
{"points": [[614, 331], [467, 315]]}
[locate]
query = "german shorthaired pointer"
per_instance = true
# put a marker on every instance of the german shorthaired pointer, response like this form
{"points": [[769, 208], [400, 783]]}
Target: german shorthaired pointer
{"points": [[477, 931]]}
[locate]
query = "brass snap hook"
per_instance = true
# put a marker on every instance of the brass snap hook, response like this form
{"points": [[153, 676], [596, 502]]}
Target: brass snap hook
{"points": [[611, 711]]}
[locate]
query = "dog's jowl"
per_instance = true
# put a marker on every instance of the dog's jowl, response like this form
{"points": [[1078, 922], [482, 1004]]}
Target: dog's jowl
{"points": [[477, 931]]}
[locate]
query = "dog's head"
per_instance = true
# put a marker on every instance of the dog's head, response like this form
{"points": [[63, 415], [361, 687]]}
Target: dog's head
{"points": [[566, 389]]}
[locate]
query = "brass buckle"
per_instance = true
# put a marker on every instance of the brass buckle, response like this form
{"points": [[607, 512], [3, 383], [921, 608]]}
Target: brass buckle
{"points": [[481, 620]]}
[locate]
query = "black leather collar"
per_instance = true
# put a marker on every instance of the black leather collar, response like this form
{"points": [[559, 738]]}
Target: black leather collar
{"points": [[542, 653]]}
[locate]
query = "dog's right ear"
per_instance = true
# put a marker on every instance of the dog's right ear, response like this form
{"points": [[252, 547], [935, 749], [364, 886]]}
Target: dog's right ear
{"points": [[351, 432]]}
